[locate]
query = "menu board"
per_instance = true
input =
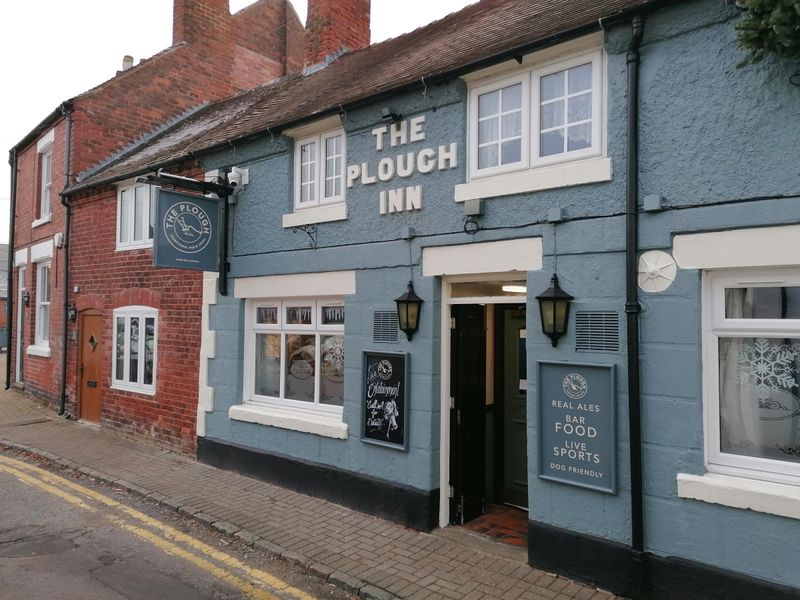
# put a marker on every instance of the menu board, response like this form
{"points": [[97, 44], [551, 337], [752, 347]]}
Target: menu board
{"points": [[577, 441], [385, 399]]}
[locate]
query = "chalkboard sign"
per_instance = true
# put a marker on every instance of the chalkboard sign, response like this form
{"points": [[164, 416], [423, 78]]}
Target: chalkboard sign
{"points": [[577, 424], [385, 399]]}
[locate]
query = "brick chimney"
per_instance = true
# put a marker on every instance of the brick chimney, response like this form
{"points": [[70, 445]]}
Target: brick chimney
{"points": [[334, 25], [198, 20]]}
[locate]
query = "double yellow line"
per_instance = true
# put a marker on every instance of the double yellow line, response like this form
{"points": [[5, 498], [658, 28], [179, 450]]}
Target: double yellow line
{"points": [[255, 583]]}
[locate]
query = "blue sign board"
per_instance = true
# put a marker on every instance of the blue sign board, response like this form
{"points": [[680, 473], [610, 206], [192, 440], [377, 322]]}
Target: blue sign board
{"points": [[186, 232], [577, 425]]}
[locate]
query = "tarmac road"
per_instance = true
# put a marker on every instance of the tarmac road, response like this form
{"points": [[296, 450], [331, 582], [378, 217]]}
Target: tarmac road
{"points": [[66, 538]]}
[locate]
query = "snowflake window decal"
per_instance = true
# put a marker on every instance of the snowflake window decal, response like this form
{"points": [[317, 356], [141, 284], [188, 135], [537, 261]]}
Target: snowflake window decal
{"points": [[768, 367]]}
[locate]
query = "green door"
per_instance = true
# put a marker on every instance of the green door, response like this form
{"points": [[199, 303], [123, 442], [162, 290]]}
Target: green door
{"points": [[515, 407]]}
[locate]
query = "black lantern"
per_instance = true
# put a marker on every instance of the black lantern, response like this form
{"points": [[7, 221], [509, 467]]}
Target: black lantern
{"points": [[408, 311], [554, 310], [72, 312]]}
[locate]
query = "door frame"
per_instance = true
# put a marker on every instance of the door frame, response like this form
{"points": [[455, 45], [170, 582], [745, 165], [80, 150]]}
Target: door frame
{"points": [[89, 312], [22, 272], [444, 367]]}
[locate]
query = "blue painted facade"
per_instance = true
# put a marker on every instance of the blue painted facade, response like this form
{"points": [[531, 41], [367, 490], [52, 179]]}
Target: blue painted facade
{"points": [[711, 133]]}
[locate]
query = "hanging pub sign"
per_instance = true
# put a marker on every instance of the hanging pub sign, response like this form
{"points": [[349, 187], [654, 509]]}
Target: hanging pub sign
{"points": [[385, 399], [577, 424], [186, 231]]}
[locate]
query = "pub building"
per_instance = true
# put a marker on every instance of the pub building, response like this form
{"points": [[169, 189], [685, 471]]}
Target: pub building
{"points": [[551, 271]]}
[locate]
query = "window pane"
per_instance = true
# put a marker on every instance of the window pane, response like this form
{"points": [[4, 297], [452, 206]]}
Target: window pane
{"points": [[488, 156], [762, 303], [133, 348], [511, 152], [759, 406], [44, 284], [299, 315], [579, 137], [140, 212], [152, 218], [331, 383], [149, 348], [488, 130], [44, 319], [267, 315], [333, 315], [120, 350], [552, 86], [268, 365], [580, 108], [512, 124], [512, 97], [124, 216], [300, 355], [580, 78], [552, 142], [552, 114], [489, 104]]}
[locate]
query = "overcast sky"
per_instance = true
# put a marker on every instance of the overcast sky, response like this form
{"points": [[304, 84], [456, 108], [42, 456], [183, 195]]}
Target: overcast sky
{"points": [[52, 50]]}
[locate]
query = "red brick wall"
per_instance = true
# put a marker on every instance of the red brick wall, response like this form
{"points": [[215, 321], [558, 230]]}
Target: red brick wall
{"points": [[215, 54], [332, 25], [109, 279], [42, 375]]}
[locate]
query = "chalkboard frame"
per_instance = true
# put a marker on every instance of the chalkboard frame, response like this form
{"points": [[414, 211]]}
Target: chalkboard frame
{"points": [[404, 358], [610, 372]]}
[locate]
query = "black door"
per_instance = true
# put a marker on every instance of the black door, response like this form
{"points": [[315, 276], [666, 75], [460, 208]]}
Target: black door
{"points": [[468, 388]]}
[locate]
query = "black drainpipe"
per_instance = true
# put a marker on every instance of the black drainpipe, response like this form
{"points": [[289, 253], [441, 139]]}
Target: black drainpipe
{"points": [[66, 109], [12, 160], [632, 310]]}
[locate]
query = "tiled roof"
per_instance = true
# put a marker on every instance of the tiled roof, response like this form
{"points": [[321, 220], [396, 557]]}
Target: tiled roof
{"points": [[489, 29]]}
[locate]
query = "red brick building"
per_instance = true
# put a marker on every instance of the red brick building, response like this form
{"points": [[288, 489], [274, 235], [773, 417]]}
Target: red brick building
{"points": [[105, 236]]}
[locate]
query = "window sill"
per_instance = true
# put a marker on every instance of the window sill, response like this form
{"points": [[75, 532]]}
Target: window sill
{"points": [[42, 351], [143, 246], [739, 492], [331, 427], [577, 172], [321, 214], [42, 221], [136, 390]]}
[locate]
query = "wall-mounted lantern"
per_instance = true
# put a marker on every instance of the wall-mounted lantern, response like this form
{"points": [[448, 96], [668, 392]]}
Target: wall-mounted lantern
{"points": [[72, 312], [389, 116], [26, 298], [408, 311], [554, 310]]}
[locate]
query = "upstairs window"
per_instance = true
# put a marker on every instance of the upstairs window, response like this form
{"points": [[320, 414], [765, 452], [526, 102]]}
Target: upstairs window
{"points": [[135, 216], [46, 183], [319, 170], [752, 373], [537, 117]]}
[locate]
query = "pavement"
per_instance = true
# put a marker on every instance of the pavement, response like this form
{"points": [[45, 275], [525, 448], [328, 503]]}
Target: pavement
{"points": [[362, 554]]}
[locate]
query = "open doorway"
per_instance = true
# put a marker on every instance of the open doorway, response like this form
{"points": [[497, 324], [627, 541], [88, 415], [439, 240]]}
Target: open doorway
{"points": [[488, 419]]}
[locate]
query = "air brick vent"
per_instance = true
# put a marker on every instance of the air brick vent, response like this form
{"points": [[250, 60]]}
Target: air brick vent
{"points": [[384, 327], [597, 331]]}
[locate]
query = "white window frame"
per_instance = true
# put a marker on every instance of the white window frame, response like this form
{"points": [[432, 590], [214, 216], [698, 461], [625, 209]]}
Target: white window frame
{"points": [[128, 312], [715, 326], [529, 78], [320, 161], [283, 329], [42, 336], [145, 242]]}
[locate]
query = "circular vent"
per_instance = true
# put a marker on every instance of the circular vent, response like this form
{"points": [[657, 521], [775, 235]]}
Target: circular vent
{"points": [[657, 271]]}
